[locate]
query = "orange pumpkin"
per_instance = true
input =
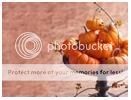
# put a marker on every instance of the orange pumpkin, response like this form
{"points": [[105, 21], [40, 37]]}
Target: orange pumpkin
{"points": [[104, 51], [67, 45], [110, 36], [125, 44], [88, 37], [73, 56], [112, 27], [96, 24], [125, 51], [83, 59], [76, 57], [124, 47], [92, 60], [120, 59]]}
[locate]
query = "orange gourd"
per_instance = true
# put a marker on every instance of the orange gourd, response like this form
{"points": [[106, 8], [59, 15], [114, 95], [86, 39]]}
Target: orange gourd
{"points": [[110, 36], [119, 59], [83, 59], [73, 56], [125, 51], [96, 24], [104, 51], [88, 37], [125, 44], [76, 57], [106, 37], [92, 61], [67, 45], [111, 27], [124, 47]]}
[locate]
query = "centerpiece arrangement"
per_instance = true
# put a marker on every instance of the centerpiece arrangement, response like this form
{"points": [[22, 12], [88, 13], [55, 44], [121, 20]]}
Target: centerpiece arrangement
{"points": [[98, 33], [101, 43]]}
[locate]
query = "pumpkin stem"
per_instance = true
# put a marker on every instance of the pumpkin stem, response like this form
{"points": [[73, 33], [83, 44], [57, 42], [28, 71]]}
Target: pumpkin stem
{"points": [[116, 51], [115, 84], [82, 91], [85, 29]]}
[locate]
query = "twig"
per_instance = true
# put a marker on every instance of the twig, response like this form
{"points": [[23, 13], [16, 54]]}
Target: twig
{"points": [[85, 29], [82, 91], [115, 84]]}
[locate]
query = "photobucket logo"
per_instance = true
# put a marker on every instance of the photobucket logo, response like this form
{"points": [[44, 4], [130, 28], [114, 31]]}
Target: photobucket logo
{"points": [[95, 46], [21, 45]]}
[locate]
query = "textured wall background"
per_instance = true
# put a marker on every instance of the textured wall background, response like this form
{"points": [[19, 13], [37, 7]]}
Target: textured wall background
{"points": [[50, 21]]}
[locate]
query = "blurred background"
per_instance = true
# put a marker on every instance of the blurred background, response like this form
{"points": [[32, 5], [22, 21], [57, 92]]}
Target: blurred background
{"points": [[50, 21]]}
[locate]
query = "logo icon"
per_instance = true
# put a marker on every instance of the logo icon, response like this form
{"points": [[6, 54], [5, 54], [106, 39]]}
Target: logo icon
{"points": [[21, 45]]}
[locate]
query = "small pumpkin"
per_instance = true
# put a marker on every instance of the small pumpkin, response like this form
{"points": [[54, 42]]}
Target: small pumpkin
{"points": [[109, 37], [83, 59], [73, 56], [124, 47], [111, 27], [125, 44], [67, 45], [95, 51], [119, 59], [88, 37], [76, 57], [125, 51], [96, 24]]}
